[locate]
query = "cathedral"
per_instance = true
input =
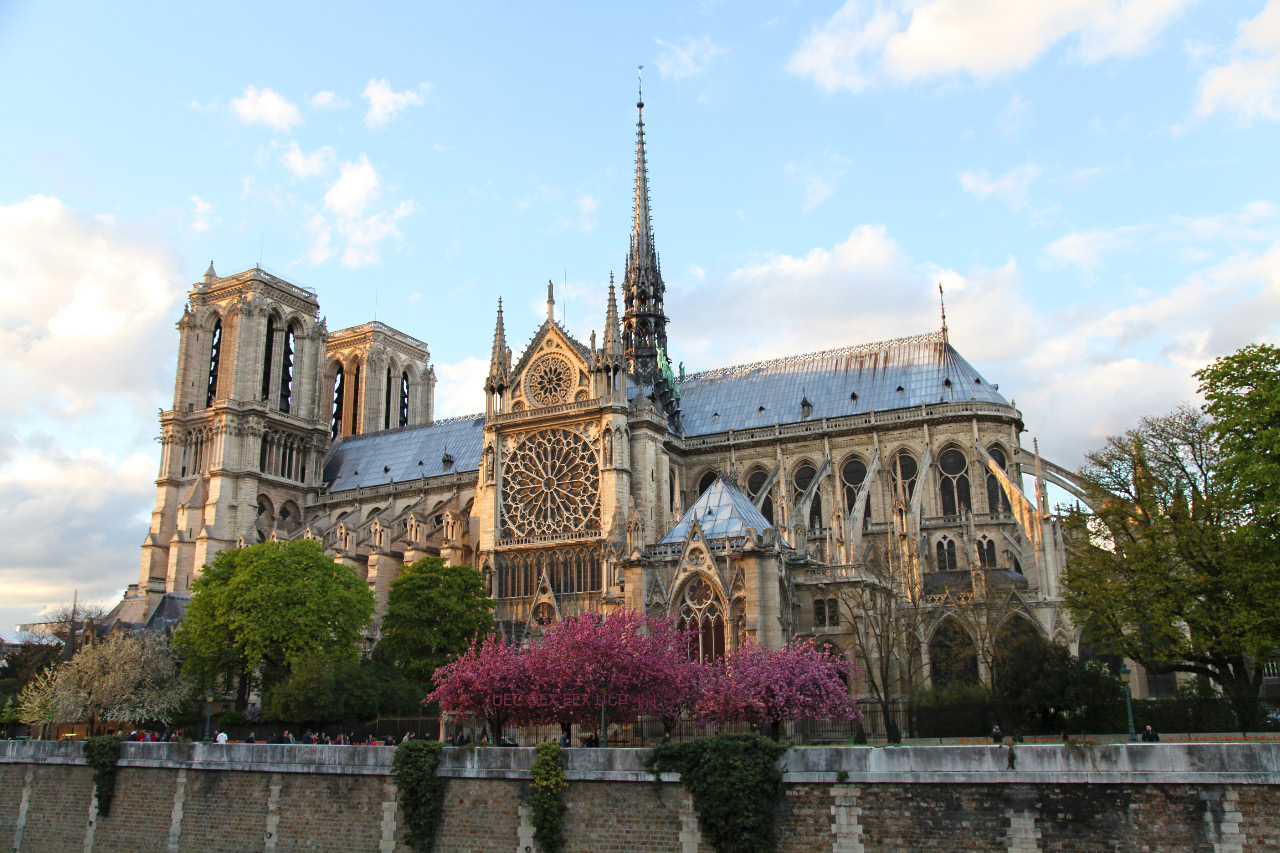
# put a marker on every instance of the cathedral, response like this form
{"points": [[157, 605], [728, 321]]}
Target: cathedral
{"points": [[753, 502]]}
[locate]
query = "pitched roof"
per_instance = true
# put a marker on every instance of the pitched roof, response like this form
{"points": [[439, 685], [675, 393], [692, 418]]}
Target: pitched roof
{"points": [[892, 374], [406, 453], [723, 510]]}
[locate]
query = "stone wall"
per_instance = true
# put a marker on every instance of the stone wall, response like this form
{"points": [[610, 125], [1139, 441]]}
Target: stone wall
{"points": [[1217, 798]]}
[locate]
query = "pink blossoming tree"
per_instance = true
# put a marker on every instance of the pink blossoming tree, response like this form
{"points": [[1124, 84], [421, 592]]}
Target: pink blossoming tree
{"points": [[770, 687], [490, 679]]}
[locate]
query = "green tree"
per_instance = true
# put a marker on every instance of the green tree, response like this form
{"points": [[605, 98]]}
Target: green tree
{"points": [[1242, 394], [321, 689], [265, 608], [434, 611], [1165, 563], [1039, 685]]}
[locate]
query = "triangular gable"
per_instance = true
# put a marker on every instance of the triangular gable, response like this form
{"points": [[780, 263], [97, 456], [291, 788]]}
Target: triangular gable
{"points": [[551, 339]]}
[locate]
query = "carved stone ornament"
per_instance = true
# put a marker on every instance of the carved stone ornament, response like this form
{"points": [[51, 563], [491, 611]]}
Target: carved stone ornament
{"points": [[550, 380], [552, 485]]}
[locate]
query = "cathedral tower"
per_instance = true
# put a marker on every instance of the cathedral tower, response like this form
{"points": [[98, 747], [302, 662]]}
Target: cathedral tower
{"points": [[244, 441], [644, 321]]}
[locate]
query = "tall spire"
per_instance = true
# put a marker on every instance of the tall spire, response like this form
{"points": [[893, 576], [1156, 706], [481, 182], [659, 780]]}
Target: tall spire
{"points": [[943, 302], [551, 300], [644, 323]]}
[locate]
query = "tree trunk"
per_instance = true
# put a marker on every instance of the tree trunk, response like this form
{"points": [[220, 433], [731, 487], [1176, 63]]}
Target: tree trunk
{"points": [[242, 692], [1243, 695]]}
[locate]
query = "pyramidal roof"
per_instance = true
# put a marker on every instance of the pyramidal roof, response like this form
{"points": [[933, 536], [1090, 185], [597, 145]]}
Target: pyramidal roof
{"points": [[723, 510]]}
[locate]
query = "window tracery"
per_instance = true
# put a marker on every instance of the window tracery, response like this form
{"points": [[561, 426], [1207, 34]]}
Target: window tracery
{"points": [[702, 613], [997, 500], [551, 378], [852, 475], [954, 482], [755, 482], [552, 485]]}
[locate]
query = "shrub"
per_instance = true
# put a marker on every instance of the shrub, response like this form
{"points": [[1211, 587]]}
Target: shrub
{"points": [[101, 754], [547, 801], [422, 791]]}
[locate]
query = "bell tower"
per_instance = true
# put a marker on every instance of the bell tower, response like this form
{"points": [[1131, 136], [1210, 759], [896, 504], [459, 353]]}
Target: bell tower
{"points": [[243, 443]]}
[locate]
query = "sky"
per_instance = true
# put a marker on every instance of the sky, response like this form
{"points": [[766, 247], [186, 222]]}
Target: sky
{"points": [[1093, 182]]}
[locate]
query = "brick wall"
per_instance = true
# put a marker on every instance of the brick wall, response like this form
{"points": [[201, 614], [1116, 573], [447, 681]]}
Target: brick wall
{"points": [[1166, 798]]}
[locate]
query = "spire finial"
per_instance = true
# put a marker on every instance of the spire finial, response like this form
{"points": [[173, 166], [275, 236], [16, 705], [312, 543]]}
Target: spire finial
{"points": [[943, 302], [551, 300], [640, 87]]}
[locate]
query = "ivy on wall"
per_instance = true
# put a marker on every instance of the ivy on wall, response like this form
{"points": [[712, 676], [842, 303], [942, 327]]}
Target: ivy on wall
{"points": [[548, 779], [101, 754], [734, 784], [421, 790]]}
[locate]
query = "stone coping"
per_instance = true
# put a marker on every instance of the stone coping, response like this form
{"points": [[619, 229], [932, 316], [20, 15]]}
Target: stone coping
{"points": [[1207, 763]]}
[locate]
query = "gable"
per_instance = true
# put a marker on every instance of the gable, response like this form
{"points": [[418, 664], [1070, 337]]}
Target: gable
{"points": [[553, 371]]}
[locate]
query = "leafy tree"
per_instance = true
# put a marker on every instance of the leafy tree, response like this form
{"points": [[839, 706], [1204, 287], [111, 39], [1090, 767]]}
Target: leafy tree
{"points": [[272, 606], [1039, 685], [771, 686], [1166, 564], [434, 611], [1242, 395], [127, 678], [327, 690]]}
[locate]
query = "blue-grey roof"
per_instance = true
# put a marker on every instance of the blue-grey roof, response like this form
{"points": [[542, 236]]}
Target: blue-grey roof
{"points": [[892, 374], [721, 511], [406, 454]]}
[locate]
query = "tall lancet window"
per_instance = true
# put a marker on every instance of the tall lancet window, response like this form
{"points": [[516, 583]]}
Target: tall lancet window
{"points": [[339, 391], [386, 408], [215, 351], [286, 370], [954, 482], [267, 351], [404, 399], [355, 403], [997, 500]]}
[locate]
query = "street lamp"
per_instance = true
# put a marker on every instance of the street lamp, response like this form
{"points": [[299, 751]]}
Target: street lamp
{"points": [[209, 711], [1125, 675], [604, 705]]}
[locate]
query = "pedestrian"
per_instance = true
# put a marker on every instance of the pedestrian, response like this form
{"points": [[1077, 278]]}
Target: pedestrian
{"points": [[997, 736], [407, 737], [1150, 736], [250, 738], [390, 741], [221, 737]]}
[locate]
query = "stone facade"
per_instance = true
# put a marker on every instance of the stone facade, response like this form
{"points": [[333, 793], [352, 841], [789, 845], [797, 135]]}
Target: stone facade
{"points": [[890, 469]]}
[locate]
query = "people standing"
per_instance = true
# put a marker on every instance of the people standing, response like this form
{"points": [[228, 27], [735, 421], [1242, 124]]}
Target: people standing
{"points": [[1150, 735]]}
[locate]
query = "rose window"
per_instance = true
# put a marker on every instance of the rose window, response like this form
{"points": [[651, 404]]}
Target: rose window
{"points": [[552, 485], [698, 593], [550, 381]]}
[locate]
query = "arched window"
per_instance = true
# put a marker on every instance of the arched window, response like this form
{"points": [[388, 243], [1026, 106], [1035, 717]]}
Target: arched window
{"points": [[268, 350], [703, 616], [946, 549], [404, 399], [755, 482], [386, 408], [954, 482], [215, 350], [355, 403], [800, 481], [987, 553], [852, 475], [905, 470], [953, 657], [997, 500], [339, 391], [706, 481], [286, 369]]}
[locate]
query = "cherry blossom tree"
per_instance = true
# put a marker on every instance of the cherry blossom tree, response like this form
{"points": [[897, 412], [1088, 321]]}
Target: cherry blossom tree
{"points": [[771, 686], [490, 679]]}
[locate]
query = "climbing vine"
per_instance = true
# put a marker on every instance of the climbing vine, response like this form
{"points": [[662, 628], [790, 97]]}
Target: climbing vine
{"points": [[734, 784], [421, 790], [101, 754], [547, 800]]}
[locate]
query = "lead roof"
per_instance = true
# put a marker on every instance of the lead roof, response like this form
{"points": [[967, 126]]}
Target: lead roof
{"points": [[407, 453], [723, 510]]}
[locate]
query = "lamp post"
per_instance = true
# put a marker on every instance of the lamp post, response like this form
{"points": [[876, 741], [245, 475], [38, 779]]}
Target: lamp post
{"points": [[1125, 675], [604, 706], [208, 713]]}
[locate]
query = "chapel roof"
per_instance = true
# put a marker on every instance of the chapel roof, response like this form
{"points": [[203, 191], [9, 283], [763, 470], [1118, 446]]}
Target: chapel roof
{"points": [[894, 374], [407, 453], [723, 510]]}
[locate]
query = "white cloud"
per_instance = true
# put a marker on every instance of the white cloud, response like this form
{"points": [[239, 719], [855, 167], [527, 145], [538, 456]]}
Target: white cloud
{"points": [[327, 101], [904, 41], [817, 178], [1013, 120], [385, 104], [460, 387], [201, 211], [357, 185], [86, 310], [264, 106], [1249, 84], [306, 165], [1084, 249], [349, 201], [689, 58], [1011, 187]]}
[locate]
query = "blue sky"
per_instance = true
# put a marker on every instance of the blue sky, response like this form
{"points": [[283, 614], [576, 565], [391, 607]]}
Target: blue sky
{"points": [[1093, 181]]}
